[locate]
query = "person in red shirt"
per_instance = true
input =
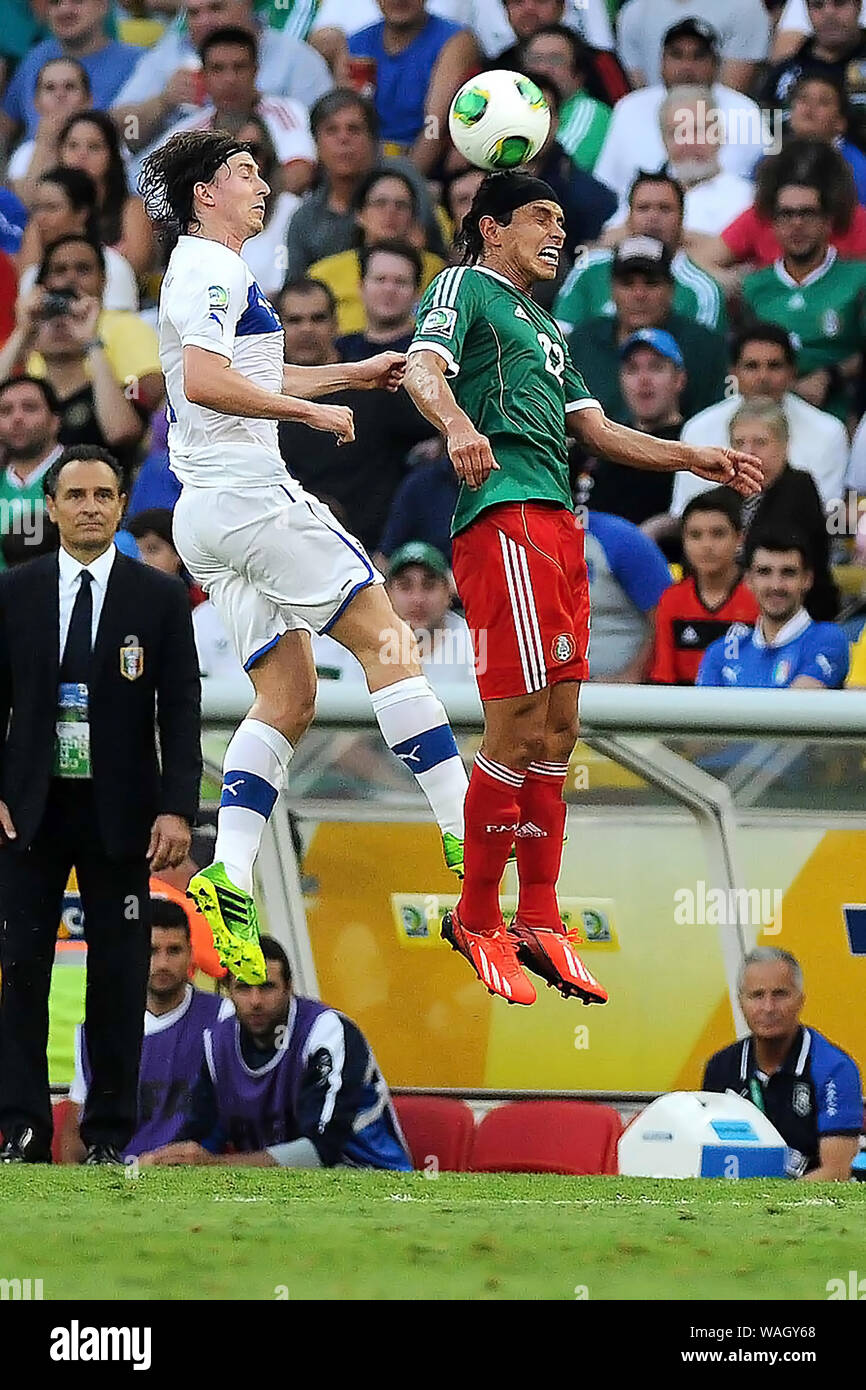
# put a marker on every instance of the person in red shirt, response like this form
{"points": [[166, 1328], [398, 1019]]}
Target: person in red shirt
{"points": [[693, 613]]}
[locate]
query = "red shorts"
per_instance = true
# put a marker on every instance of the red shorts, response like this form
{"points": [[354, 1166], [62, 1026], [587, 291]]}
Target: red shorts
{"points": [[521, 576]]}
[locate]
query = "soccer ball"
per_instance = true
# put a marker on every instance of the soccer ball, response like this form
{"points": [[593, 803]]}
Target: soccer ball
{"points": [[499, 120]]}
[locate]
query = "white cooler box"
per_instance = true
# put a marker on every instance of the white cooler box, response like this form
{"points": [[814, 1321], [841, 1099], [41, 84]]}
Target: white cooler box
{"points": [[702, 1134]]}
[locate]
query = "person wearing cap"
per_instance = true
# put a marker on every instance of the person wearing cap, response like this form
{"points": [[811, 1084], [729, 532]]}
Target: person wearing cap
{"points": [[742, 26], [642, 288], [652, 380], [690, 54], [655, 203], [692, 138], [420, 587]]}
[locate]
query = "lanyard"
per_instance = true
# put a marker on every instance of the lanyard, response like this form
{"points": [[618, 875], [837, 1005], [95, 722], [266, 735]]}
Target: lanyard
{"points": [[757, 1094]]}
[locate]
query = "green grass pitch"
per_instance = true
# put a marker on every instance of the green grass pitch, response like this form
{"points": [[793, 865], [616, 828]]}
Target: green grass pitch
{"points": [[220, 1233]]}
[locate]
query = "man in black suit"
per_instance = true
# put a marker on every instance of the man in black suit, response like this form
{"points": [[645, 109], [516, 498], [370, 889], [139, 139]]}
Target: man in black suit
{"points": [[96, 654]]}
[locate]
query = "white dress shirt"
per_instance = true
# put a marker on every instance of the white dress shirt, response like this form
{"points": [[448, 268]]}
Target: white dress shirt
{"points": [[817, 444], [70, 571]]}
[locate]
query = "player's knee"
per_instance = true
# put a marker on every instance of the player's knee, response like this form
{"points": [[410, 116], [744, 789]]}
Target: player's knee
{"points": [[292, 712], [560, 738]]}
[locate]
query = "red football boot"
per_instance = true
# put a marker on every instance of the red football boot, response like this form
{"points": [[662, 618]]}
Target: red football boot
{"points": [[549, 952], [492, 956]]}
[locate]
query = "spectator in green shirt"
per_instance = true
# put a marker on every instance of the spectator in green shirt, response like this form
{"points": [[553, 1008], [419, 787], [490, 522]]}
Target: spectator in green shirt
{"points": [[29, 424], [655, 210], [559, 54], [642, 288], [817, 298]]}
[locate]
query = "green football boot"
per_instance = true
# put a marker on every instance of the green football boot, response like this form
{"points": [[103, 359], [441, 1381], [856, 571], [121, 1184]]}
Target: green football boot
{"points": [[233, 920], [453, 850]]}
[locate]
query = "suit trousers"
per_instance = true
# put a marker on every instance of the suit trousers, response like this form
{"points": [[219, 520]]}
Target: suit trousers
{"points": [[115, 900]]}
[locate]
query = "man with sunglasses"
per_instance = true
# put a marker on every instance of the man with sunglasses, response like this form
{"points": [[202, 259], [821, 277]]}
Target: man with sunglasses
{"points": [[817, 298]]}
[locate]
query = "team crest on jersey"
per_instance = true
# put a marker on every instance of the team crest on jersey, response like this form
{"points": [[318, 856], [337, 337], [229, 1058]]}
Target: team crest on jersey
{"points": [[562, 648], [781, 672], [131, 658], [440, 321], [217, 297], [801, 1100], [830, 323]]}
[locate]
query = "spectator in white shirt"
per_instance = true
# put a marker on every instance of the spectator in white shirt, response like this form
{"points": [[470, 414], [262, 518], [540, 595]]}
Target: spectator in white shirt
{"points": [[794, 25], [167, 83], [744, 35], [764, 364], [691, 138], [229, 71], [62, 89], [690, 56]]}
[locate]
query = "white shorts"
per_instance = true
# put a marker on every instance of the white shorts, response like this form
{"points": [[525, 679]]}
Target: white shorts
{"points": [[272, 559]]}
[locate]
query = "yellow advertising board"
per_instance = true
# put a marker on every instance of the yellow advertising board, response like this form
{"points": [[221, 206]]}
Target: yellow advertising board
{"points": [[373, 924]]}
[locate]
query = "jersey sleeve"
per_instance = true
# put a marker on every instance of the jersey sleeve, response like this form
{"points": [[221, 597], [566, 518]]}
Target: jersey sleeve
{"points": [[839, 1097], [205, 308], [826, 656], [78, 1089], [710, 669], [662, 667], [447, 311], [577, 394], [332, 1085]]}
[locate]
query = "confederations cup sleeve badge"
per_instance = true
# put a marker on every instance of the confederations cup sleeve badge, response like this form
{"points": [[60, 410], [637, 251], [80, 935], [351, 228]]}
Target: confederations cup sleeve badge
{"points": [[131, 658]]}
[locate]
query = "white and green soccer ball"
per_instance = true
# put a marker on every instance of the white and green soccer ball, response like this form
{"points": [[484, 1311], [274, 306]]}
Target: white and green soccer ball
{"points": [[499, 120]]}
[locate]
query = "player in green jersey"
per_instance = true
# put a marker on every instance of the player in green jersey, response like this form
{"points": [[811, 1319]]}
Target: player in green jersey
{"points": [[490, 369]]}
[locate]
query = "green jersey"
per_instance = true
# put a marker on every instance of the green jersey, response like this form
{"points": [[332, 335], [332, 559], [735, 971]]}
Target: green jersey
{"points": [[22, 506], [586, 292], [512, 374], [583, 124], [825, 314]]}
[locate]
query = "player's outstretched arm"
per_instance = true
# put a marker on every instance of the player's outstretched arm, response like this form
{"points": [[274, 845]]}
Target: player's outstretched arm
{"points": [[469, 451], [210, 380], [727, 467], [384, 372]]}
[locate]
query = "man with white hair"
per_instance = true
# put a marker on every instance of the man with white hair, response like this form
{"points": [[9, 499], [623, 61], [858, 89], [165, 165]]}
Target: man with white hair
{"points": [[693, 134], [805, 1085], [690, 55]]}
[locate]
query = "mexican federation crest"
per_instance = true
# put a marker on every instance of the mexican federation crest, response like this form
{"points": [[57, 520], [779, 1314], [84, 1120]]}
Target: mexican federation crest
{"points": [[131, 658]]}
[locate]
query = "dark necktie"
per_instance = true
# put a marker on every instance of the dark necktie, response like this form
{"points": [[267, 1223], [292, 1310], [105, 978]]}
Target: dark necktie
{"points": [[75, 667]]}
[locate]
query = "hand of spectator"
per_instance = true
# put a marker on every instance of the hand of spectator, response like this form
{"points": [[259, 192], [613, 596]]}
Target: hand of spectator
{"points": [[83, 317], [814, 387], [183, 88], [171, 1155], [7, 827], [384, 372], [728, 468], [28, 309], [169, 842], [333, 419], [471, 455]]}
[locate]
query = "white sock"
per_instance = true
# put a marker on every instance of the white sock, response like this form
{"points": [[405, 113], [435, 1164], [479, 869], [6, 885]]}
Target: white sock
{"points": [[254, 771], [415, 727]]}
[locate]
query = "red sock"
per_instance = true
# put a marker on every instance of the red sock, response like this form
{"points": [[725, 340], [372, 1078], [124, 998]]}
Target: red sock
{"points": [[539, 856], [491, 803]]}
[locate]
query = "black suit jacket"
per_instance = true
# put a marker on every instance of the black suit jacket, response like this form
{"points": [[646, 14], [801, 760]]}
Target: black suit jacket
{"points": [[793, 504], [129, 788]]}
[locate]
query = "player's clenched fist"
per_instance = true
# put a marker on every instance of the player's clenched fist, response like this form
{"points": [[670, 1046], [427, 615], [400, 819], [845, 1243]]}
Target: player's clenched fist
{"points": [[333, 419], [471, 455], [384, 372]]}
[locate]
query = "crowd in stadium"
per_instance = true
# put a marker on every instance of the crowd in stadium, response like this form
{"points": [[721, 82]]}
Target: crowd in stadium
{"points": [[711, 165]]}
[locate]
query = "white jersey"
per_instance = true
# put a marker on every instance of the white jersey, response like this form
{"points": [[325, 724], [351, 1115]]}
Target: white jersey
{"points": [[210, 299]]}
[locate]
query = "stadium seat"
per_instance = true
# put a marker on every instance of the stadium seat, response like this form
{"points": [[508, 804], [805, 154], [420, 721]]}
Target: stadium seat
{"points": [[547, 1136], [434, 1126], [59, 1111]]}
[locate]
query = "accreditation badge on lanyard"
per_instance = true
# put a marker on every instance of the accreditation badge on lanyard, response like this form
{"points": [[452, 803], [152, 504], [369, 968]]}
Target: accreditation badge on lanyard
{"points": [[72, 742]]}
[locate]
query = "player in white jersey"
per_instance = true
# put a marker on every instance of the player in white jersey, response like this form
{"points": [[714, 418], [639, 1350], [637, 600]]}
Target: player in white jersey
{"points": [[275, 561]]}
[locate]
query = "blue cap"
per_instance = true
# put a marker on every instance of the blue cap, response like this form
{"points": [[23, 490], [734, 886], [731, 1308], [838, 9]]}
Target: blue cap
{"points": [[656, 338]]}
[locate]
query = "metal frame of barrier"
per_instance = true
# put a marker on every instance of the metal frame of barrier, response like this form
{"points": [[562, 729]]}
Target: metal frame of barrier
{"points": [[609, 713]]}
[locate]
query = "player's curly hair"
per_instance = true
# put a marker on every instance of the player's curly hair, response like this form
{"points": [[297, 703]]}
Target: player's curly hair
{"points": [[169, 175]]}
